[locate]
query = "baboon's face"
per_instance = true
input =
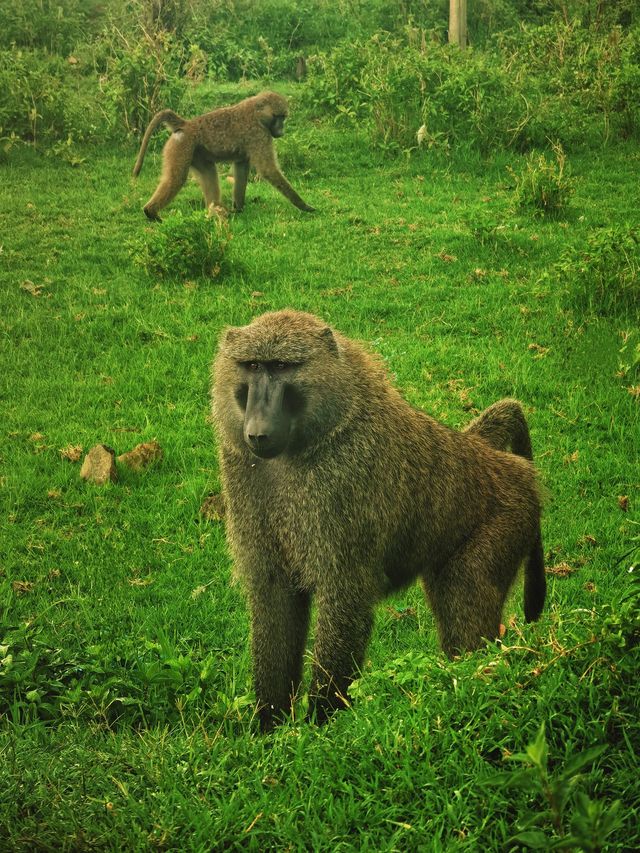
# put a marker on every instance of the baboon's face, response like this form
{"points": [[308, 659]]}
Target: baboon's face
{"points": [[274, 381], [276, 126], [272, 111], [271, 403]]}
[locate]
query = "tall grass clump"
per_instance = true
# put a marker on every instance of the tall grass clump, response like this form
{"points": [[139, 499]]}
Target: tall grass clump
{"points": [[142, 75], [577, 83], [183, 245], [528, 76], [603, 276], [544, 185]]}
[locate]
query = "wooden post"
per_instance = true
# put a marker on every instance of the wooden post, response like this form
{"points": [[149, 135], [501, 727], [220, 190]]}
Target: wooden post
{"points": [[454, 25], [462, 18], [458, 22]]}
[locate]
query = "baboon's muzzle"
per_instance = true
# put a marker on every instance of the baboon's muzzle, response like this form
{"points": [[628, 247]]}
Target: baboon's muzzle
{"points": [[266, 421]]}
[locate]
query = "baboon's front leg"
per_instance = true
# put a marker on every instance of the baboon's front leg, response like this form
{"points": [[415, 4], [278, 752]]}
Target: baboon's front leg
{"points": [[176, 159], [342, 633], [268, 169], [240, 178], [279, 625]]}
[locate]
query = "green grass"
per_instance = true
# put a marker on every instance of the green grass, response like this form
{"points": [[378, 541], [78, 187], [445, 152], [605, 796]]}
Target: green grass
{"points": [[125, 691]]}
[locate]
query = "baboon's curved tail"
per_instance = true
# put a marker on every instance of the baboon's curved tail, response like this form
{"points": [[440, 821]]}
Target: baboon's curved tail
{"points": [[535, 582], [168, 117], [504, 426]]}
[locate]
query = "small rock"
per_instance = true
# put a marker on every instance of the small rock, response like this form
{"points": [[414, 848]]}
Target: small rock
{"points": [[213, 508], [141, 456], [99, 465]]}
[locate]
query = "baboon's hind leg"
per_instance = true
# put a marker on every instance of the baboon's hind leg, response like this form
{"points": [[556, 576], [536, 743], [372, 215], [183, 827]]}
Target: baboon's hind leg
{"points": [[176, 160], [468, 592]]}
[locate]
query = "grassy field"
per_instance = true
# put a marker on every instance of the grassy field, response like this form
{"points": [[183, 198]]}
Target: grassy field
{"points": [[126, 716]]}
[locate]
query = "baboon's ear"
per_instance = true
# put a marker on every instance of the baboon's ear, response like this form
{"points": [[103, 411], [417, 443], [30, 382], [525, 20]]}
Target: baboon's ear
{"points": [[229, 335], [327, 335]]}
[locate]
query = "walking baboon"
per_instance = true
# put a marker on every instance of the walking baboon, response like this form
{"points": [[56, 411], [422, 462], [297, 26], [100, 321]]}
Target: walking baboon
{"points": [[242, 134], [336, 487]]}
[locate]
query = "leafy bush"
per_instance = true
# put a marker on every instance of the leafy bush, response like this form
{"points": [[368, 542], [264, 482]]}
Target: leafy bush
{"points": [[183, 246], [578, 83], [625, 87], [142, 76], [544, 186], [590, 821], [541, 77], [603, 276], [31, 93], [44, 98], [55, 25], [560, 81], [457, 98]]}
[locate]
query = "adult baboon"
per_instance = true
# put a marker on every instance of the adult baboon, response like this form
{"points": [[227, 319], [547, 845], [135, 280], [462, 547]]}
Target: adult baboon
{"points": [[335, 486], [242, 134]]}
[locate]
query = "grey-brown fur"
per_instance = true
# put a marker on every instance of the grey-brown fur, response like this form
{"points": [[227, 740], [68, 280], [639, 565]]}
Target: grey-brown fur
{"points": [[504, 426], [368, 495], [242, 134]]}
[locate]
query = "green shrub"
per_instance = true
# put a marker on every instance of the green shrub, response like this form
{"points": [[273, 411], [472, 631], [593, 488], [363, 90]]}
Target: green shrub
{"points": [[557, 81], [579, 84], [397, 87], [543, 186], [604, 275], [44, 99], [183, 246], [55, 25], [625, 86], [142, 76]]}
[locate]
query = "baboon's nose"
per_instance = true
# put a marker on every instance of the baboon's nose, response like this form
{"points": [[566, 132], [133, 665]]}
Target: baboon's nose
{"points": [[259, 443], [257, 440]]}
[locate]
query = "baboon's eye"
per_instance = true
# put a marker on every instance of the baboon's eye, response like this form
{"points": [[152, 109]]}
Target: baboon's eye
{"points": [[252, 365], [279, 365]]}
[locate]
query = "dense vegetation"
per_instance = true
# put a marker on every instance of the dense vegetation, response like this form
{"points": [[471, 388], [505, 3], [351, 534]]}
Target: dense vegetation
{"points": [[72, 71], [477, 226]]}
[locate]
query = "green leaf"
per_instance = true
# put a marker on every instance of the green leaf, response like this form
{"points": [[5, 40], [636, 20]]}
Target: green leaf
{"points": [[575, 764], [536, 839], [537, 749]]}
